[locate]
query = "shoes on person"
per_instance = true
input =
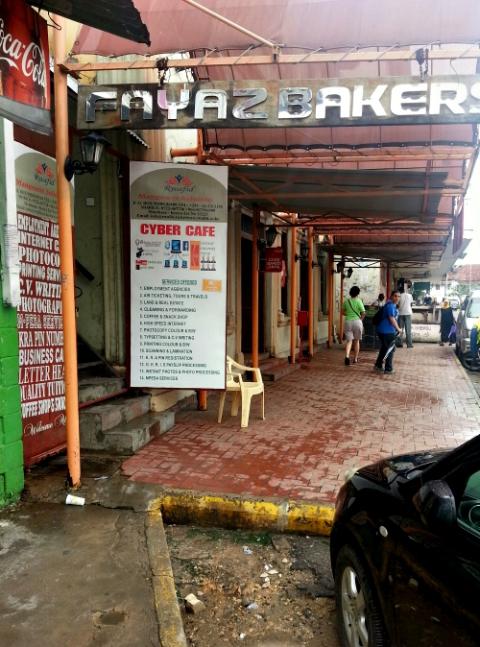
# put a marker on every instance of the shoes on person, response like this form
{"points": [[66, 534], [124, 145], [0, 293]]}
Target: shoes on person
{"points": [[410, 346], [355, 361], [442, 344], [389, 372], [379, 369], [347, 361]]}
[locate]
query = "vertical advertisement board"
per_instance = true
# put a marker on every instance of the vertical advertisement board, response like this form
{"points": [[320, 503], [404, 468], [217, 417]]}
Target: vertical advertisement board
{"points": [[24, 67], [178, 275], [40, 327]]}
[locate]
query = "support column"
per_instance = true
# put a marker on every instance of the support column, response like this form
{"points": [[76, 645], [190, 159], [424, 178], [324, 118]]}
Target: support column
{"points": [[293, 292], [331, 298], [310, 292], [342, 282], [66, 257], [202, 400], [255, 313], [388, 280]]}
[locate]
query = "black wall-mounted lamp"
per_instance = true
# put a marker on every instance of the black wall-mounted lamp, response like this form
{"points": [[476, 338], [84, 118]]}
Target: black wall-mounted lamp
{"points": [[303, 256], [320, 258], [270, 235], [91, 149], [345, 272]]}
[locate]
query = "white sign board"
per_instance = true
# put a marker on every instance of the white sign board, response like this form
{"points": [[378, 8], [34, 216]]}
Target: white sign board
{"points": [[178, 275]]}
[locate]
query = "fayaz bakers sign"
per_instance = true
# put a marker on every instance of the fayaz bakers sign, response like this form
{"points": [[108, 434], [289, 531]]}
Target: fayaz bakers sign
{"points": [[277, 104]]}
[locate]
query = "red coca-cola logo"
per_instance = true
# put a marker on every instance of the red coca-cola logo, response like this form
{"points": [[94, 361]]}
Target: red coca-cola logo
{"points": [[27, 58]]}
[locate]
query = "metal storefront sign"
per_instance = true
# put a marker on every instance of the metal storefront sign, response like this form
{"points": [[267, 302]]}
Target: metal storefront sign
{"points": [[279, 103], [178, 275], [39, 315], [24, 67], [273, 259]]}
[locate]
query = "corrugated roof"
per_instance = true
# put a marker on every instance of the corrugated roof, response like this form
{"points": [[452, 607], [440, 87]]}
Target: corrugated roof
{"points": [[390, 215]]}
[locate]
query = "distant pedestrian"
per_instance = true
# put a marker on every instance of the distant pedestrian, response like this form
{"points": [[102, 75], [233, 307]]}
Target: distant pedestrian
{"points": [[447, 321], [387, 331], [405, 315], [380, 301], [354, 312]]}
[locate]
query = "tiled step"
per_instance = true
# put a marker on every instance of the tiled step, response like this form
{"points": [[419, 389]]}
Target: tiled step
{"points": [[94, 388], [274, 370], [128, 437], [101, 417]]}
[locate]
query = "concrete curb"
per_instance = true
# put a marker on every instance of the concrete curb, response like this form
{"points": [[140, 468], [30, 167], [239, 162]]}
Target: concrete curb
{"points": [[464, 372], [170, 625], [237, 512]]}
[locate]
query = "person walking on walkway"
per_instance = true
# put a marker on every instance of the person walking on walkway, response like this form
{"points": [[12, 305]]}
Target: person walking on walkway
{"points": [[387, 330], [447, 321], [405, 315], [354, 312]]}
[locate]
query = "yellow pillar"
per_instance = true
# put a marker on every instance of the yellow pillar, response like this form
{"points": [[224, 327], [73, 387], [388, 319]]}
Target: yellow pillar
{"points": [[66, 257]]}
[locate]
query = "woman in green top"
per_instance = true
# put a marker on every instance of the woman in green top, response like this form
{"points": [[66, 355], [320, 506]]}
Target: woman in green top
{"points": [[354, 312]]}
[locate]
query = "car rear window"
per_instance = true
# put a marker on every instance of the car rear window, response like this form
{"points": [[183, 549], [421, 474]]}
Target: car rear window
{"points": [[473, 310]]}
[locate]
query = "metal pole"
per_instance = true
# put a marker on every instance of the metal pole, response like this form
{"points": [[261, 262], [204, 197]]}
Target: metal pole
{"points": [[293, 294], [310, 293], [388, 280], [331, 300], [202, 400], [255, 313], [66, 257], [230, 23], [342, 281]]}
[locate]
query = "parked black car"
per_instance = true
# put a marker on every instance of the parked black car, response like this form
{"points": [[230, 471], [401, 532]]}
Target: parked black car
{"points": [[405, 551]]}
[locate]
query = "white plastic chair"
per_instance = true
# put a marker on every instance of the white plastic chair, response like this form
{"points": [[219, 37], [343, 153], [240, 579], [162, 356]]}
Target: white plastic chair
{"points": [[246, 390]]}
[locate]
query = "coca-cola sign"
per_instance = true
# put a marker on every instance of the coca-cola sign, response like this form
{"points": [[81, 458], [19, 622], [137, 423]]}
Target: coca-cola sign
{"points": [[24, 66]]}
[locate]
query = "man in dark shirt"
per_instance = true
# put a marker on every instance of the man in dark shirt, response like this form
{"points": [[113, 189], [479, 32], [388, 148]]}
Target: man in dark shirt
{"points": [[387, 330]]}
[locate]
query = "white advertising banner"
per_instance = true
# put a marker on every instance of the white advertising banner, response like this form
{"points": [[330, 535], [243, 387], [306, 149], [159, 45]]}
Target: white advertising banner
{"points": [[178, 275]]}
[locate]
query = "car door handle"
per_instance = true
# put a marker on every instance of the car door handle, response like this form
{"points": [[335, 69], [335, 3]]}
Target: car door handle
{"points": [[383, 532]]}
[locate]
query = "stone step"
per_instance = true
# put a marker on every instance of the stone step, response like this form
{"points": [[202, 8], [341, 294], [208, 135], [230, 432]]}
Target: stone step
{"points": [[128, 437], [94, 388], [273, 371], [106, 415]]}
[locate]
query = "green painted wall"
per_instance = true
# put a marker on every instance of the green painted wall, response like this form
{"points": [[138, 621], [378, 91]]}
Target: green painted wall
{"points": [[11, 446], [11, 443]]}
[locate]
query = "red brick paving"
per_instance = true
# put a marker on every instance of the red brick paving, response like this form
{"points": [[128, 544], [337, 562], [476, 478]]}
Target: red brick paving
{"points": [[320, 421]]}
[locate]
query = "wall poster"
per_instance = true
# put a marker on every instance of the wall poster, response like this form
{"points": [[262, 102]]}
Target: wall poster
{"points": [[178, 275], [40, 326]]}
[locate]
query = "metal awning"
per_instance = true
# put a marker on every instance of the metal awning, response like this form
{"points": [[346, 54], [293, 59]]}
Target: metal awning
{"points": [[396, 216], [297, 26], [390, 192], [117, 17]]}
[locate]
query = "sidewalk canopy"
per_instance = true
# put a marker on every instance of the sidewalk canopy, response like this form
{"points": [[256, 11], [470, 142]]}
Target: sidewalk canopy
{"points": [[298, 25], [392, 192]]}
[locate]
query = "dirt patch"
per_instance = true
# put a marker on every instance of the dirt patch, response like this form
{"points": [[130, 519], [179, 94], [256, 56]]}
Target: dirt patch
{"points": [[259, 590]]}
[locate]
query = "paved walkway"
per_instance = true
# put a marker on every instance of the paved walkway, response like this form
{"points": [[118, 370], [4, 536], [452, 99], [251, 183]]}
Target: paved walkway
{"points": [[320, 421]]}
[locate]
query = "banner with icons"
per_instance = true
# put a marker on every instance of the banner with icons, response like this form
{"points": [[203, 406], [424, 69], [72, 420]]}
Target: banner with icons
{"points": [[178, 275]]}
